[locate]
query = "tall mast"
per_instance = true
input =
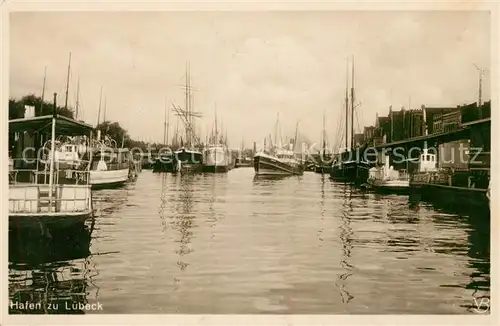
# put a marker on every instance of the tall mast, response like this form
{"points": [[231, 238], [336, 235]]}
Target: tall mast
{"points": [[191, 104], [324, 133], [352, 104], [346, 105], [177, 132], [104, 114], [168, 120], [276, 129], [77, 98], [165, 125], [216, 130], [99, 111], [67, 82], [43, 90], [187, 104], [479, 101], [296, 136]]}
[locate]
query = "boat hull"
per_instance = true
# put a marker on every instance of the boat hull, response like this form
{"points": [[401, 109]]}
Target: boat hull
{"points": [[188, 161], [453, 196], [355, 172], [164, 164], [49, 221], [108, 178], [323, 169], [216, 160], [389, 186], [267, 165], [31, 207], [215, 168]]}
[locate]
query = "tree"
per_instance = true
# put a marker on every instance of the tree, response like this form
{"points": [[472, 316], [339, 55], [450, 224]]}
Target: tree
{"points": [[17, 110]]}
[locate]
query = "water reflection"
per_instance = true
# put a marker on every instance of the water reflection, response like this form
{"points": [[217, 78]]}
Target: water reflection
{"points": [[184, 219], [345, 240], [50, 276], [284, 245], [270, 179], [476, 245], [322, 207], [163, 201]]}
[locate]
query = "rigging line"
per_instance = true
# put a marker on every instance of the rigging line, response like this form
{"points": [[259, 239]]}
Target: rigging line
{"points": [[357, 118], [340, 130]]}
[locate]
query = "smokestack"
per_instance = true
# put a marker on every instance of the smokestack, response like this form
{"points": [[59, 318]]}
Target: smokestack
{"points": [[54, 110], [424, 112]]}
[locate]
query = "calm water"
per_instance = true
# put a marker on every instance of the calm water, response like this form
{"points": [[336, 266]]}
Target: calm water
{"points": [[236, 244]]}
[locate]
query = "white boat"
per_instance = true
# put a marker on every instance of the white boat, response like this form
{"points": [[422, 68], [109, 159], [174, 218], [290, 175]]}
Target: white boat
{"points": [[110, 167], [42, 194], [278, 159], [427, 169], [216, 158], [386, 179]]}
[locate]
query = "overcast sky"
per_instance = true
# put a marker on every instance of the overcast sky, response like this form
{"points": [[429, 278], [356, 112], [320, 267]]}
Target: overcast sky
{"points": [[252, 64]]}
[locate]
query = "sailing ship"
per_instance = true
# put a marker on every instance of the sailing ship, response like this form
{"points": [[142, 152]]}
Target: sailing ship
{"points": [[189, 158], [216, 156], [349, 166], [164, 160], [278, 160]]}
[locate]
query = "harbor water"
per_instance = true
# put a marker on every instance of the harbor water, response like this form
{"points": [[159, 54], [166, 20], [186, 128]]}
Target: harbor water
{"points": [[236, 244]]}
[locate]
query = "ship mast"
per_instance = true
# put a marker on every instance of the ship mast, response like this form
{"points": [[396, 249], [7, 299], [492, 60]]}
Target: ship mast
{"points": [[43, 90], [216, 130], [77, 98], [99, 111], [352, 105], [165, 125], [104, 114], [187, 104], [347, 106], [324, 134], [296, 136], [67, 82]]}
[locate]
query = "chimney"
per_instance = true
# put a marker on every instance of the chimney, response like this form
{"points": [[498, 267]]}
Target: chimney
{"points": [[424, 112]]}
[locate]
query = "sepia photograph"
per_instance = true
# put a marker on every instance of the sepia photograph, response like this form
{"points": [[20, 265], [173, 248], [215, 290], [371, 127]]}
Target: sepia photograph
{"points": [[285, 162]]}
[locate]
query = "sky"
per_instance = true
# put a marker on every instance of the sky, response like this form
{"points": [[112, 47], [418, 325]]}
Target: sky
{"points": [[252, 66]]}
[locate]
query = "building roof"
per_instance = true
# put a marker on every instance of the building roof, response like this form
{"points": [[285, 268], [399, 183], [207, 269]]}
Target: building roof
{"points": [[63, 125]]}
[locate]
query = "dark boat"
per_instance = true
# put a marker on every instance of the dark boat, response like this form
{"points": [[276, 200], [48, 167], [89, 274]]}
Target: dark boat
{"points": [[348, 169], [164, 162], [349, 165], [281, 163], [188, 161], [323, 169]]}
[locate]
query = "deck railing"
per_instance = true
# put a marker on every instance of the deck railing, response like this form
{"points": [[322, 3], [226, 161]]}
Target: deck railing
{"points": [[38, 172], [32, 202], [30, 191]]}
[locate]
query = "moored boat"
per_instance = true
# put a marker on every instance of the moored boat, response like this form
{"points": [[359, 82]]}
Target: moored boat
{"points": [[349, 169], [44, 194], [386, 179], [110, 167], [278, 162], [277, 159], [216, 155], [216, 159], [188, 161]]}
